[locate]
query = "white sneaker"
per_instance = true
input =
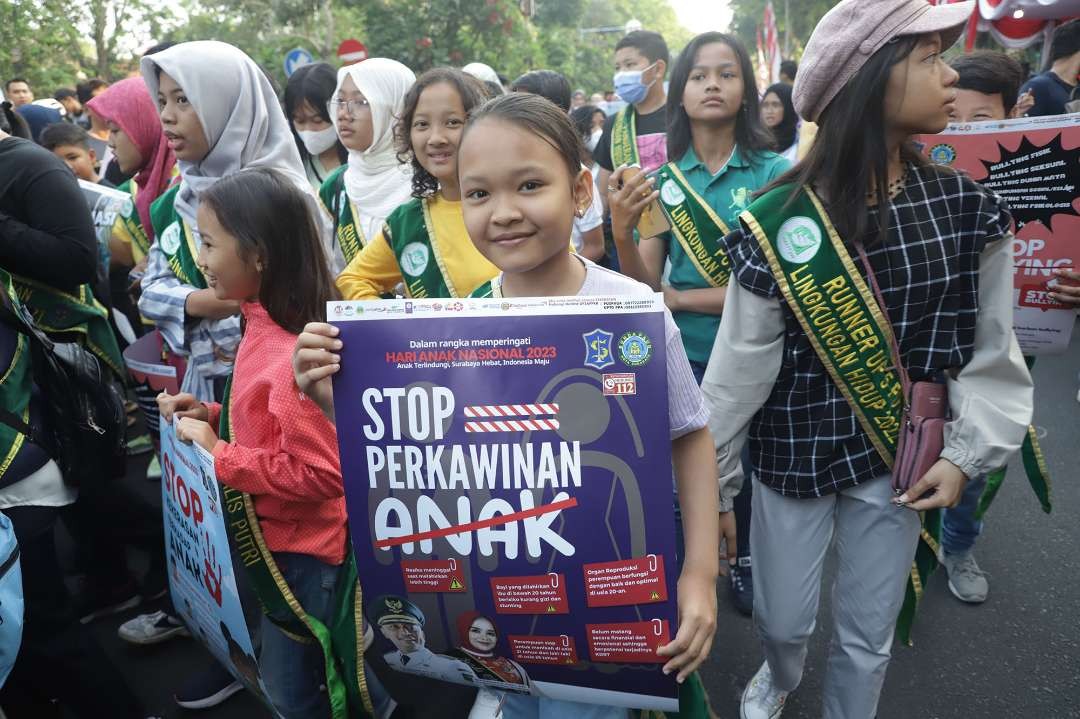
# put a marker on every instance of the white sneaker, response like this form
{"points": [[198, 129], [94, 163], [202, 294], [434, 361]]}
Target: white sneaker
{"points": [[760, 699], [151, 629]]}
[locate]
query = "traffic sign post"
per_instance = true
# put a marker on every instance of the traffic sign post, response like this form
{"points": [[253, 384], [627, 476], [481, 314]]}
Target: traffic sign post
{"points": [[297, 58]]}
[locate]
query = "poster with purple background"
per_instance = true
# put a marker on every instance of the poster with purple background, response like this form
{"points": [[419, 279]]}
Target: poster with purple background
{"points": [[507, 469]]}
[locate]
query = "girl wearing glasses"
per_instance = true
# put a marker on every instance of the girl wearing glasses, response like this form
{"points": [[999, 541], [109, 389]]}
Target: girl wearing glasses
{"points": [[361, 194], [423, 243]]}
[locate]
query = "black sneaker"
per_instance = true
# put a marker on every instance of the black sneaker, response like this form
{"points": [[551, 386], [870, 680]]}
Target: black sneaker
{"points": [[208, 688], [98, 601], [742, 586]]}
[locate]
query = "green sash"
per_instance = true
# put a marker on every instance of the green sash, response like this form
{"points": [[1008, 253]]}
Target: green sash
{"points": [[834, 307], [174, 238], [695, 225], [411, 235], [128, 227], [16, 384], [350, 236], [624, 150], [849, 334], [489, 290], [693, 703], [342, 642], [1038, 474], [59, 312]]}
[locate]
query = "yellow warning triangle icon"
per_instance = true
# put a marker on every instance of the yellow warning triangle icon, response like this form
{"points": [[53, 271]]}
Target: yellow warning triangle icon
{"points": [[455, 584], [552, 608], [654, 595]]}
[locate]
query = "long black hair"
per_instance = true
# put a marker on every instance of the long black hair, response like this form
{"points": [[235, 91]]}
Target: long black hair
{"points": [[472, 93], [272, 219], [545, 83], [751, 135], [314, 84], [850, 150], [785, 133]]}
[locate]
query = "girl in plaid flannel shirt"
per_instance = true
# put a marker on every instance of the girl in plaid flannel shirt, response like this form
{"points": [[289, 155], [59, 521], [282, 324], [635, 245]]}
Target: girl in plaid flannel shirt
{"points": [[938, 243]]}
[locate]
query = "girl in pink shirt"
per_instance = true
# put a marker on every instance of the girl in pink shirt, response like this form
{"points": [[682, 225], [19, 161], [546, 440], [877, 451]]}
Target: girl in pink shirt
{"points": [[260, 246]]}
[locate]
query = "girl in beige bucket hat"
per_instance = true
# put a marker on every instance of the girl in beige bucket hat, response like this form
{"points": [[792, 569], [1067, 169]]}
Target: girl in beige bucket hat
{"points": [[802, 363]]}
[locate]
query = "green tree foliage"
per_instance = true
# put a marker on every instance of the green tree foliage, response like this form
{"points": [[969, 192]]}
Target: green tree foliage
{"points": [[53, 42], [432, 32], [268, 29], [426, 33]]}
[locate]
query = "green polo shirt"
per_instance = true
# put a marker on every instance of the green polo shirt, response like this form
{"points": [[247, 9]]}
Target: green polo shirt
{"points": [[728, 193]]}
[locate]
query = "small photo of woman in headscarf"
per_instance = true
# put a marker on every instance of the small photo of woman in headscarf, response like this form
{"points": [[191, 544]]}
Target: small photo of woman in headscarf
{"points": [[477, 640]]}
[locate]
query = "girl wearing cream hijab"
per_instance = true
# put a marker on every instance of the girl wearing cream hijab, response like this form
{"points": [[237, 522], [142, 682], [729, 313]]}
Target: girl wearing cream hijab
{"points": [[361, 194], [220, 115]]}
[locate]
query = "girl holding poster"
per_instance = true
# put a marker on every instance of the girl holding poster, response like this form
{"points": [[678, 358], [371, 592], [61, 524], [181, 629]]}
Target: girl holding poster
{"points": [[277, 454], [861, 251], [423, 243], [219, 114], [362, 193], [519, 206], [538, 181]]}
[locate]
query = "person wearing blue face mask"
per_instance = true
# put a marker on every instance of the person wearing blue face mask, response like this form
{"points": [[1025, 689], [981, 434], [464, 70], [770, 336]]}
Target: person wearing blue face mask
{"points": [[637, 133]]}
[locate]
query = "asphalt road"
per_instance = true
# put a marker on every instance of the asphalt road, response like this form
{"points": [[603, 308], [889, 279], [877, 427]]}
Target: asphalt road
{"points": [[1016, 656]]}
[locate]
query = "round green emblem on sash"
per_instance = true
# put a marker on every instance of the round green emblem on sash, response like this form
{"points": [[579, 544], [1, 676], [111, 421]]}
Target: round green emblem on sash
{"points": [[672, 194], [170, 239], [414, 258], [798, 239]]}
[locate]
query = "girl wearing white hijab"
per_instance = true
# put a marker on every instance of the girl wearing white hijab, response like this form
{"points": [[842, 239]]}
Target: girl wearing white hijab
{"points": [[360, 195], [220, 115]]}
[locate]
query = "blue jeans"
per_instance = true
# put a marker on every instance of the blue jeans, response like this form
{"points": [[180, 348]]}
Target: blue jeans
{"points": [[293, 672], [959, 528], [518, 706]]}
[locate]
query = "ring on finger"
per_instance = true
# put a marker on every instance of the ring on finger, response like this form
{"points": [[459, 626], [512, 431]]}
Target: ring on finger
{"points": [[612, 189]]}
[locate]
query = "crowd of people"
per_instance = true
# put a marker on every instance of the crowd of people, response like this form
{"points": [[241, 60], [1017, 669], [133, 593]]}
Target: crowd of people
{"points": [[250, 209]]}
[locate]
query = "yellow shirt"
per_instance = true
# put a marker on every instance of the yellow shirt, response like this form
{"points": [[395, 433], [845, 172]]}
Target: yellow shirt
{"points": [[374, 271]]}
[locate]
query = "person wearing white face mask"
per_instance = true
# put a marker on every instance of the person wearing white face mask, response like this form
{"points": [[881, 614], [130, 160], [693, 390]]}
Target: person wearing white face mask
{"points": [[637, 133], [306, 96]]}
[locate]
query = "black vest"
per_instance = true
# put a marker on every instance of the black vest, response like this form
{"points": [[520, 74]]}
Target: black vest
{"points": [[806, 441]]}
